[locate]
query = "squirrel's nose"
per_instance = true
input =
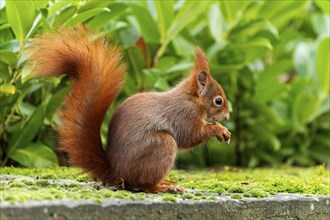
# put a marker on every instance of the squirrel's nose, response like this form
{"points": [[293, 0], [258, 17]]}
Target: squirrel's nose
{"points": [[227, 116]]}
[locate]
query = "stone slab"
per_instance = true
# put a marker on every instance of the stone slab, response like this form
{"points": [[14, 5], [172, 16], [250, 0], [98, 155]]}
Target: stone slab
{"points": [[281, 206]]}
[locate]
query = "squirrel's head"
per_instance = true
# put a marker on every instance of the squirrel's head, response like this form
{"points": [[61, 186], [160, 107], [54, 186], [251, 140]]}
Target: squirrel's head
{"points": [[209, 93]]}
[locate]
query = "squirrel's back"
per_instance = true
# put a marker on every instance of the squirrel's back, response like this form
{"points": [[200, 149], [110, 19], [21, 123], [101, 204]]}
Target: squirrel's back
{"points": [[96, 72]]}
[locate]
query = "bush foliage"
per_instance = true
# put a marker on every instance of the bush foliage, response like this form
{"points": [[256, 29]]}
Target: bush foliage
{"points": [[271, 57]]}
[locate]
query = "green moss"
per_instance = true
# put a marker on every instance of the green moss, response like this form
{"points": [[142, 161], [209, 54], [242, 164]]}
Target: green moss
{"points": [[43, 183], [169, 198], [218, 190], [39, 173], [28, 182], [198, 194], [72, 185], [212, 198], [17, 184], [33, 188], [236, 189], [140, 196], [97, 200], [48, 176], [256, 193], [236, 196], [288, 180], [83, 178], [188, 196]]}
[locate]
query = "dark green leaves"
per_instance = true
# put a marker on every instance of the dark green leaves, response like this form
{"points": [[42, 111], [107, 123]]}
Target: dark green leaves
{"points": [[28, 131], [35, 155]]}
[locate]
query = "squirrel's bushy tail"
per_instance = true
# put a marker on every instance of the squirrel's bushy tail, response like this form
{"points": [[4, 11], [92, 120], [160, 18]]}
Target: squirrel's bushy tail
{"points": [[96, 73]]}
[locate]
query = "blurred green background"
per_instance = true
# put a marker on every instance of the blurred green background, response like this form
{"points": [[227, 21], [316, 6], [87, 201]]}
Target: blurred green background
{"points": [[271, 57]]}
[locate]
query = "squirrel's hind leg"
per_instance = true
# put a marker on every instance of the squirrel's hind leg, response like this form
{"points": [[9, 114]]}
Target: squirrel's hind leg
{"points": [[153, 163]]}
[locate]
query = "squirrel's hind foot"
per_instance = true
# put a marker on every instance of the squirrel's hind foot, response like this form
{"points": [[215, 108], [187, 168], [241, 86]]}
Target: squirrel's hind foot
{"points": [[163, 187], [167, 182]]}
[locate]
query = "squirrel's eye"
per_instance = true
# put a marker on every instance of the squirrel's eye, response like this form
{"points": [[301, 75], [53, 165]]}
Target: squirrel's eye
{"points": [[217, 101]]}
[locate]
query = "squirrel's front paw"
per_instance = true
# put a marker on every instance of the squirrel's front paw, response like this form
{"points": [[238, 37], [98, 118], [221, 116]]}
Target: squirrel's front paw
{"points": [[223, 134], [226, 135]]}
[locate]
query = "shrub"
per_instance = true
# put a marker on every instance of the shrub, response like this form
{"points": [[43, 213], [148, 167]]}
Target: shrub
{"points": [[274, 69]]}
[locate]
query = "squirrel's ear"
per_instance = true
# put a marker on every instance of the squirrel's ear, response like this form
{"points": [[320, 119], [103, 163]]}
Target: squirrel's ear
{"points": [[202, 81], [201, 72]]}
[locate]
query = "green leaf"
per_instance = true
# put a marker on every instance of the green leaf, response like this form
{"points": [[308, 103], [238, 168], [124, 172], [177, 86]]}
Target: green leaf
{"points": [[304, 59], [29, 131], [35, 155], [7, 88], [92, 4], [215, 49], [161, 84], [179, 67], [322, 65], [323, 5], [183, 18], [268, 91], [20, 15], [102, 19], [81, 17], [5, 75], [325, 107], [254, 27], [287, 9], [302, 112], [40, 3], [257, 42], [265, 135], [12, 45], [55, 101], [67, 13], [35, 24], [8, 57], [147, 25], [321, 23], [268, 85], [45, 24], [59, 6], [4, 26], [216, 22], [183, 47], [165, 14], [231, 10], [136, 60]]}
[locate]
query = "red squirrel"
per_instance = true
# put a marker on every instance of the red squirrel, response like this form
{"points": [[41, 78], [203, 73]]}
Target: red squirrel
{"points": [[146, 130]]}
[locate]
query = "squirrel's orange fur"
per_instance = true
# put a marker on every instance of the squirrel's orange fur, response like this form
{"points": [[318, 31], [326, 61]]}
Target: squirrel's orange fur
{"points": [[146, 130]]}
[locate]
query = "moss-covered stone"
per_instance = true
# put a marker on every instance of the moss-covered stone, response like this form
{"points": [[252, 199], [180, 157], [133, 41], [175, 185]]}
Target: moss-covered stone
{"points": [[19, 185]]}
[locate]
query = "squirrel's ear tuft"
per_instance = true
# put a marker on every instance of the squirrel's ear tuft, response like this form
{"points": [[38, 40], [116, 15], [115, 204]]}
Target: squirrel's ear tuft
{"points": [[201, 63], [201, 74]]}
